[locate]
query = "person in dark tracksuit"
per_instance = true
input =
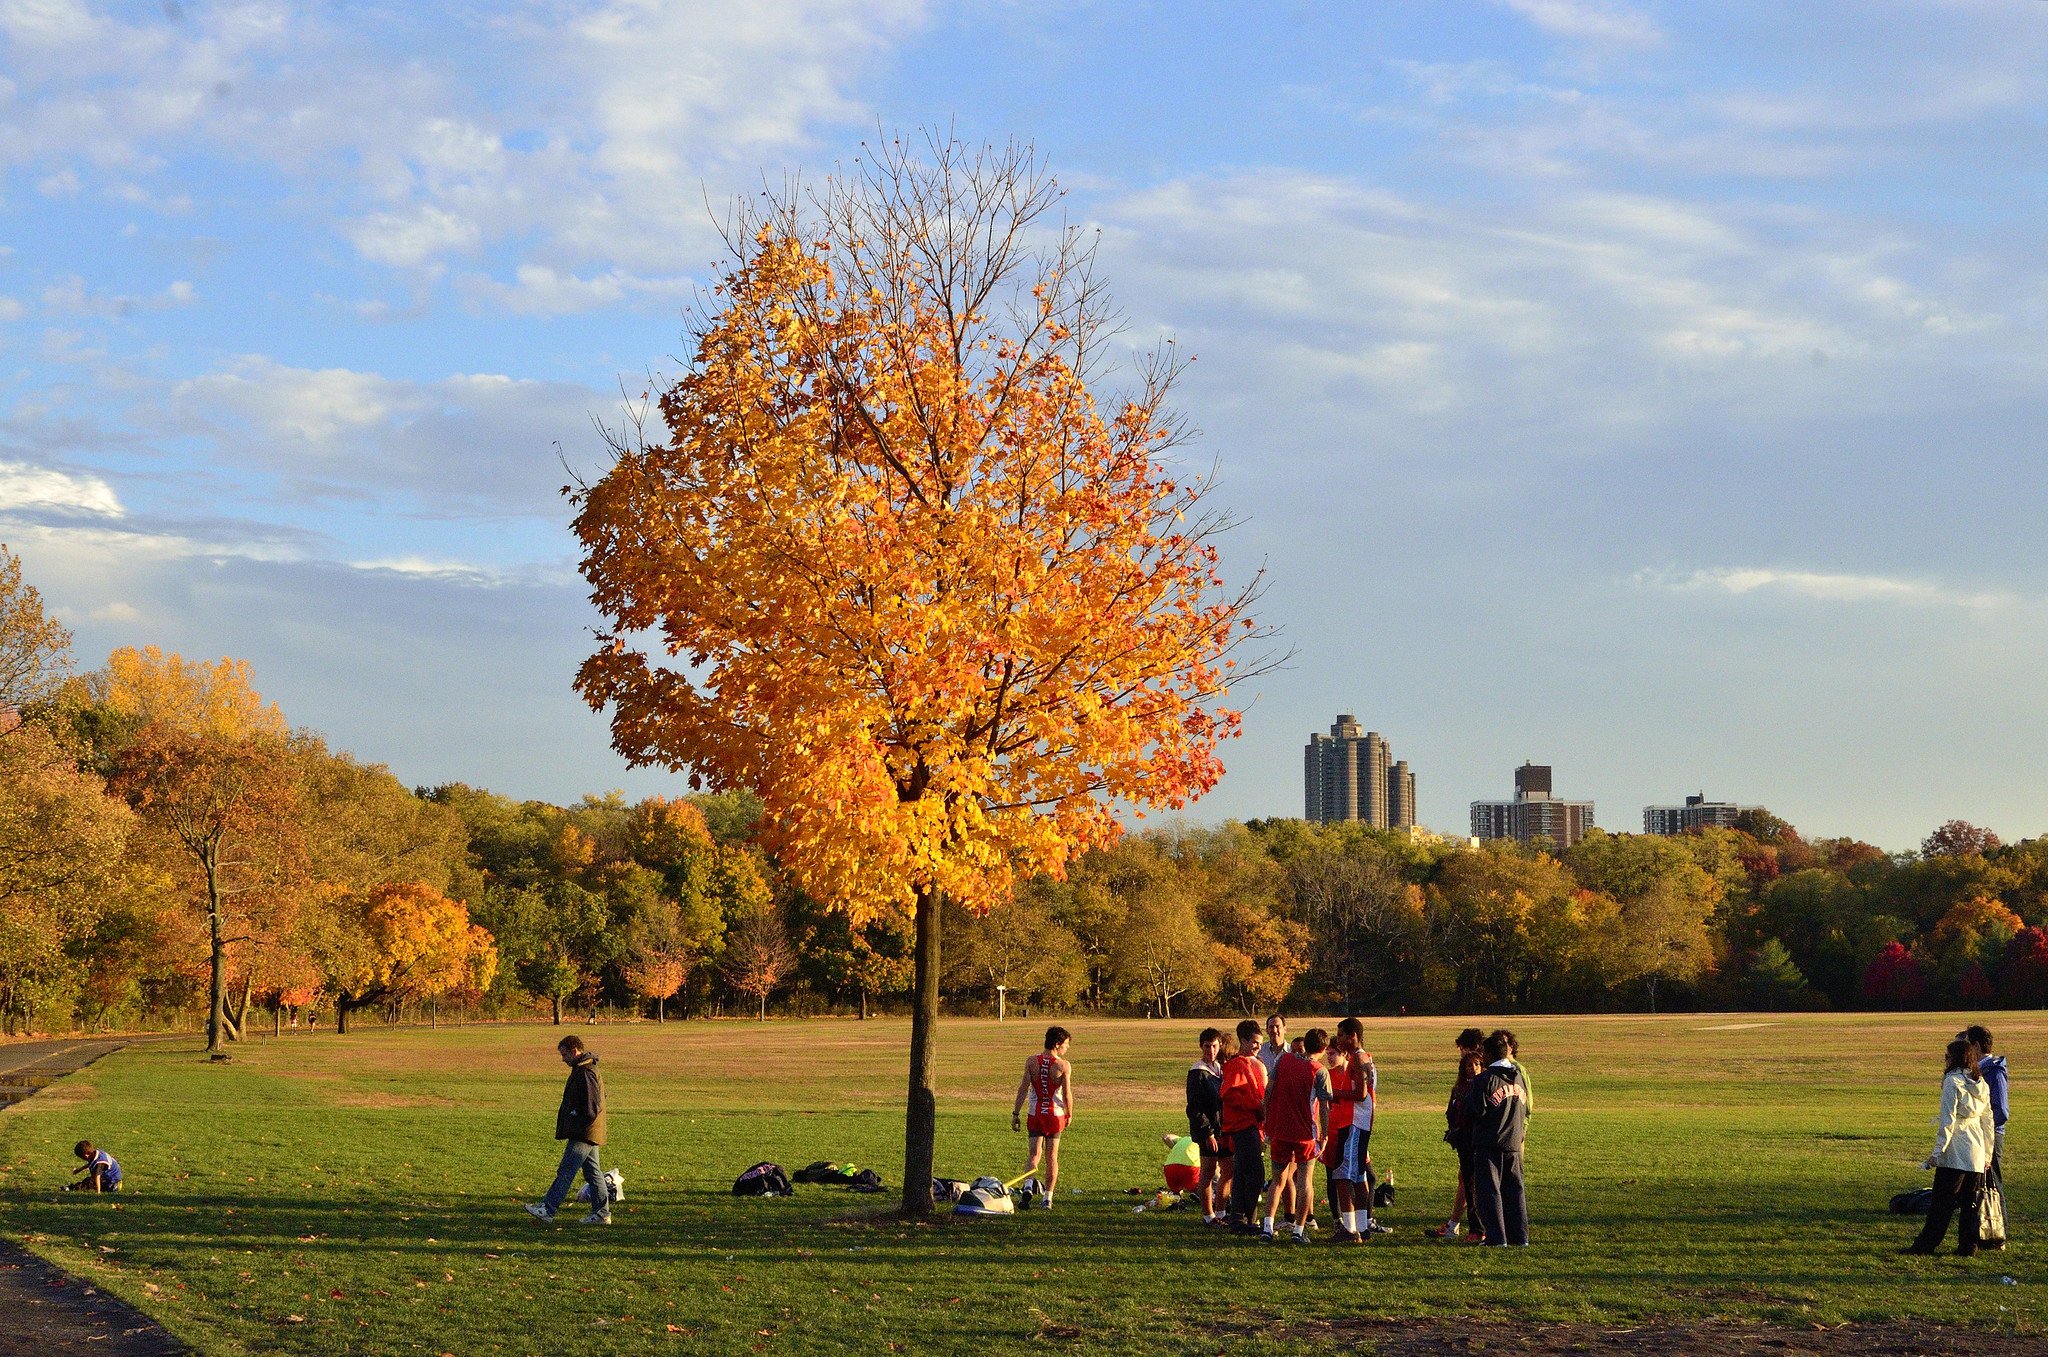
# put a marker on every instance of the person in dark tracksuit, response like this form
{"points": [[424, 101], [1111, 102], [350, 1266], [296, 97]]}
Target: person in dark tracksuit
{"points": [[1498, 1113], [1205, 1119], [580, 1122]]}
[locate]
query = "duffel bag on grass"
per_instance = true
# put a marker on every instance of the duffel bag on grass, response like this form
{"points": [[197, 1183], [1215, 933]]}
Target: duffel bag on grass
{"points": [[987, 1197], [762, 1180]]}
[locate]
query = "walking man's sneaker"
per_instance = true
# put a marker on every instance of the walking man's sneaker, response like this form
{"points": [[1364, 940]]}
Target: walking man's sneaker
{"points": [[540, 1212], [596, 1218]]}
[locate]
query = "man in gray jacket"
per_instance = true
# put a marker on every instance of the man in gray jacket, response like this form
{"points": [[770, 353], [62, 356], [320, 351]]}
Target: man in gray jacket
{"points": [[580, 1122], [1497, 1109]]}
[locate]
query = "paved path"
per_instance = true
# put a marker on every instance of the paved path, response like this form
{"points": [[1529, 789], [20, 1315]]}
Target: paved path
{"points": [[45, 1312], [26, 1066]]}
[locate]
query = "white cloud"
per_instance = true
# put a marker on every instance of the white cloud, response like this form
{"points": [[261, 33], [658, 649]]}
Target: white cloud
{"points": [[116, 611], [1598, 21], [24, 487], [584, 133], [465, 572], [11, 309], [543, 291], [69, 295], [415, 236], [1827, 587], [472, 442], [1569, 322]]}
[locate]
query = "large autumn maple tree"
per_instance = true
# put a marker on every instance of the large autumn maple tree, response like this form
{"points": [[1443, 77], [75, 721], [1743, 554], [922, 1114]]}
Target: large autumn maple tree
{"points": [[899, 562]]}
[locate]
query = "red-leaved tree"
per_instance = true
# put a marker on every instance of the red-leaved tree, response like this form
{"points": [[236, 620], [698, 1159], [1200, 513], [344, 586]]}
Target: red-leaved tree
{"points": [[1895, 978]]}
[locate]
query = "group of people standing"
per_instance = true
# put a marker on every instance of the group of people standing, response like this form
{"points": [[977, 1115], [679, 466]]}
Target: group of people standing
{"points": [[1969, 1142], [1263, 1110], [1487, 1123]]}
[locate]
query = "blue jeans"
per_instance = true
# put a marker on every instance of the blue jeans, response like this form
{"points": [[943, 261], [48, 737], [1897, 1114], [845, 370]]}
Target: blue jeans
{"points": [[579, 1155]]}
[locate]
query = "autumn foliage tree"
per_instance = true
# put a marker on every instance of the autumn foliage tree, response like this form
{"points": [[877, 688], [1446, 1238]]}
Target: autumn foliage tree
{"points": [[901, 565], [35, 649], [201, 758], [225, 812], [400, 940], [758, 957]]}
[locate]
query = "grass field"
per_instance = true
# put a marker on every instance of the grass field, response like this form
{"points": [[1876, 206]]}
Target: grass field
{"points": [[360, 1194]]}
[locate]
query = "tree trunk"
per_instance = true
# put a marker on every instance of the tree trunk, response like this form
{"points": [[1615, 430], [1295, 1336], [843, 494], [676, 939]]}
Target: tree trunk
{"points": [[341, 1011], [217, 977], [659, 1003], [555, 1001], [241, 1019], [863, 1005], [920, 1117], [277, 1019], [762, 1014]]}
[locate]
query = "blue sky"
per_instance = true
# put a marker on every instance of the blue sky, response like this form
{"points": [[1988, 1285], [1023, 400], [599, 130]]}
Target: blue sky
{"points": [[1654, 390]]}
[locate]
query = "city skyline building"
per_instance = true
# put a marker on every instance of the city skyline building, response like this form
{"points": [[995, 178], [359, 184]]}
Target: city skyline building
{"points": [[1534, 813], [1696, 813], [1351, 774]]}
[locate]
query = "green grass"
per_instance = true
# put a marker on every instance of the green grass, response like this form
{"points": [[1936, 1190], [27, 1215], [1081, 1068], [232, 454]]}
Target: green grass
{"points": [[325, 1194]]}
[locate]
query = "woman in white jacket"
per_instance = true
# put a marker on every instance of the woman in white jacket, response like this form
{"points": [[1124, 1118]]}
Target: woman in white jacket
{"points": [[1962, 1151]]}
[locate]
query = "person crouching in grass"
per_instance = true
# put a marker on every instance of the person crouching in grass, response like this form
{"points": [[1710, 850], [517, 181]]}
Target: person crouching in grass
{"points": [[98, 1173], [580, 1122]]}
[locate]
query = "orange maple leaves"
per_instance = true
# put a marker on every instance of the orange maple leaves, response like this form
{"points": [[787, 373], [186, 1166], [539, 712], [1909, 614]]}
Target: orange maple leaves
{"points": [[894, 572]]}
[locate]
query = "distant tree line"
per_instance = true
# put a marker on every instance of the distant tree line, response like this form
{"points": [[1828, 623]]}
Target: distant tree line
{"points": [[172, 852]]}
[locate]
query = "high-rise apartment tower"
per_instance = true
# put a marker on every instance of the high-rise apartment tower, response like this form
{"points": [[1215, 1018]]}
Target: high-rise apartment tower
{"points": [[1351, 774], [1534, 813]]}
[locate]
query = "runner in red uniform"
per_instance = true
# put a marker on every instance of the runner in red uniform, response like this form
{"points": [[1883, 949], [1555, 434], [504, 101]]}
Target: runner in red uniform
{"points": [[1293, 1128], [1048, 1087], [1353, 1083]]}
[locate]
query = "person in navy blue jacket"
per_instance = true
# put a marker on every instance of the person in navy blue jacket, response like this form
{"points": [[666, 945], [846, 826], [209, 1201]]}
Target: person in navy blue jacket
{"points": [[1992, 1070]]}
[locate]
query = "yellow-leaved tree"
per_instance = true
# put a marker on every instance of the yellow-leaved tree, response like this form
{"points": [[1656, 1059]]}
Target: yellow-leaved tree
{"points": [[901, 564], [399, 940]]}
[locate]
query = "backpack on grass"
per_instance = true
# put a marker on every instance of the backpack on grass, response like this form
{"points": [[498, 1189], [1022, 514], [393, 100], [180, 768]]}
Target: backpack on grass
{"points": [[825, 1173], [1915, 1203], [763, 1180]]}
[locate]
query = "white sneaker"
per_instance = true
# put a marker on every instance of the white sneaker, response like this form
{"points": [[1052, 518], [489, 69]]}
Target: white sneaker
{"points": [[594, 1218], [540, 1212]]}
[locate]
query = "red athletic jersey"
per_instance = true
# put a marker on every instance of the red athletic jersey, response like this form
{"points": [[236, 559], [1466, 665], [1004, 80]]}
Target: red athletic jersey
{"points": [[1244, 1093], [1291, 1103], [1047, 1096], [1344, 1111]]}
